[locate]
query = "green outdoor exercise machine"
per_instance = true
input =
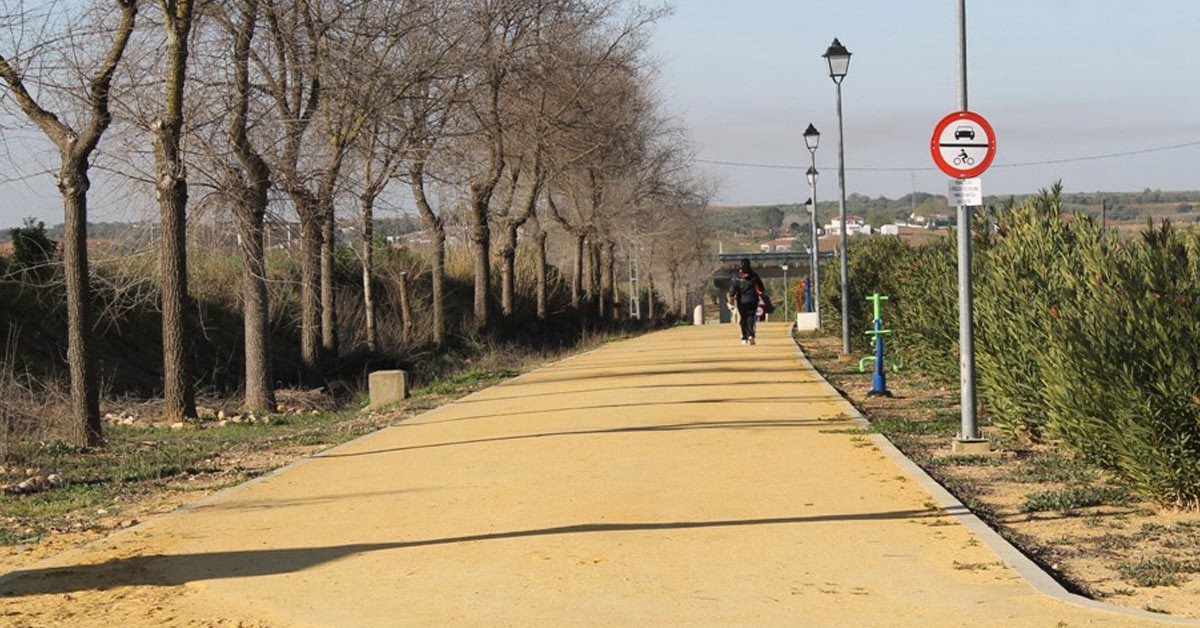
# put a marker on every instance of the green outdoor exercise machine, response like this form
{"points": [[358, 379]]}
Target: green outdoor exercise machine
{"points": [[879, 379]]}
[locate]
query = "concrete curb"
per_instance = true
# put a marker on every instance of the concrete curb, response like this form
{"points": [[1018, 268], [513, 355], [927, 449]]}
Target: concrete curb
{"points": [[1043, 582]]}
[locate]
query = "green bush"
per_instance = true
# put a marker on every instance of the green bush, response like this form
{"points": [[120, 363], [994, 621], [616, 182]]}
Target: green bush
{"points": [[873, 269], [1127, 390], [1082, 339], [1023, 280], [926, 310], [32, 248]]}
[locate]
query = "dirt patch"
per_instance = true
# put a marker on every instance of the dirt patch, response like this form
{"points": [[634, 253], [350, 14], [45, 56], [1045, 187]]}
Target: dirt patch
{"points": [[1081, 523]]}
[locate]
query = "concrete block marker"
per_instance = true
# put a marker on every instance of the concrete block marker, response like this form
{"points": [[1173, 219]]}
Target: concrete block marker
{"points": [[807, 321], [387, 387]]}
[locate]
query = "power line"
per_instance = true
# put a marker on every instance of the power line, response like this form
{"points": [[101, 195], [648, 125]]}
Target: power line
{"points": [[1046, 162]]}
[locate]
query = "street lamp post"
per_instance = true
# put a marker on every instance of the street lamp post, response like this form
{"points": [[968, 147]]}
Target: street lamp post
{"points": [[787, 294], [814, 272], [838, 59], [811, 139]]}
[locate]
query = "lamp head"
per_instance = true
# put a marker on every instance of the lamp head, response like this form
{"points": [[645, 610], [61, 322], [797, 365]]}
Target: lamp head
{"points": [[838, 59], [812, 137]]}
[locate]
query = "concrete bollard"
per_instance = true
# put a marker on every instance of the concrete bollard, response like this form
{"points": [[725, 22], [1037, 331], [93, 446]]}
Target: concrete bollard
{"points": [[387, 387], [698, 315]]}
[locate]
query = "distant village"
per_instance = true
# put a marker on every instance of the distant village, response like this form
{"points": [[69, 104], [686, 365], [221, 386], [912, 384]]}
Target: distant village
{"points": [[915, 225]]}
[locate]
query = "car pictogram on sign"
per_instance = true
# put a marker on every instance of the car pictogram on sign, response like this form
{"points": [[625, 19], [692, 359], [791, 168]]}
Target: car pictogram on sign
{"points": [[963, 144]]}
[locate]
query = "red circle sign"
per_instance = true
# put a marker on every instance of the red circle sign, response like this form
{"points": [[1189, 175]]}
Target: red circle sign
{"points": [[963, 145]]}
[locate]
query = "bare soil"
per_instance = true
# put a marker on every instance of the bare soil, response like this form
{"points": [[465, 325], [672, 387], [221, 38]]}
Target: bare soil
{"points": [[1122, 550]]}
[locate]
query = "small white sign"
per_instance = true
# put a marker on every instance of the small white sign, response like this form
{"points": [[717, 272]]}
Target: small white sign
{"points": [[966, 192]]}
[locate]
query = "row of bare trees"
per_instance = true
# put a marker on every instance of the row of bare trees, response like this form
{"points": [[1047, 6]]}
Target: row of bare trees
{"points": [[534, 122]]}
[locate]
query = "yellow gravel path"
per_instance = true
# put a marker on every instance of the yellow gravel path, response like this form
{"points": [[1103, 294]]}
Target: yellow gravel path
{"points": [[677, 479]]}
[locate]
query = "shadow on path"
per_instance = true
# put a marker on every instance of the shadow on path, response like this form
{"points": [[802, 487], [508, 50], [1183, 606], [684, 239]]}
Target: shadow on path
{"points": [[178, 569], [497, 396], [633, 406], [674, 427]]}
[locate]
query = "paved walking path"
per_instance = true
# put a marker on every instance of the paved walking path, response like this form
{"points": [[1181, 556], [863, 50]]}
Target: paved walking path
{"points": [[675, 479]]}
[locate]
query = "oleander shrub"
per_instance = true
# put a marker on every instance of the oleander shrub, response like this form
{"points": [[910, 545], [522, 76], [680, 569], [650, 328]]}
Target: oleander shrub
{"points": [[926, 310], [874, 263], [1126, 390], [1083, 339], [1022, 280]]}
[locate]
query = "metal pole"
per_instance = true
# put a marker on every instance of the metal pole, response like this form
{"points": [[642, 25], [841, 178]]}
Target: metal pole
{"points": [[966, 335], [842, 212], [816, 251]]}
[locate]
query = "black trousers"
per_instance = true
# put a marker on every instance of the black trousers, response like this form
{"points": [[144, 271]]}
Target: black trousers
{"points": [[748, 319]]}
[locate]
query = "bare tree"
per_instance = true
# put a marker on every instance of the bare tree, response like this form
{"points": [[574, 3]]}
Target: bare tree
{"points": [[397, 54], [249, 187], [179, 390], [75, 146], [424, 114], [288, 64]]}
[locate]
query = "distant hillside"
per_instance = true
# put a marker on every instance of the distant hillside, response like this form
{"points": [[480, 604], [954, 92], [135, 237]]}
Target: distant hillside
{"points": [[766, 221]]}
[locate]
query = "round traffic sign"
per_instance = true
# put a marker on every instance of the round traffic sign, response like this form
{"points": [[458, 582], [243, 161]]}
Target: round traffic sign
{"points": [[963, 145]]}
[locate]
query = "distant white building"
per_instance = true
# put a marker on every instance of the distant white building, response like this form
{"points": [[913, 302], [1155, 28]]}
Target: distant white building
{"points": [[783, 245], [889, 230], [935, 221], [854, 226]]}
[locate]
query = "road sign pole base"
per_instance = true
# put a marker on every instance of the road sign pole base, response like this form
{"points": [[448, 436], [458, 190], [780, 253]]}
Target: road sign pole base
{"points": [[970, 446]]}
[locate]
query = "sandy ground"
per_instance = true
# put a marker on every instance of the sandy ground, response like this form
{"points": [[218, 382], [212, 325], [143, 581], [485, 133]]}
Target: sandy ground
{"points": [[675, 479]]}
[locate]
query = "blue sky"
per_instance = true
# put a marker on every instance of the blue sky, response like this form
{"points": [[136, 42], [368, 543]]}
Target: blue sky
{"points": [[1057, 79]]}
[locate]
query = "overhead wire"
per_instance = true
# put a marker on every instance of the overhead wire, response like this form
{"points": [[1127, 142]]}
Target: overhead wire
{"points": [[1045, 162]]}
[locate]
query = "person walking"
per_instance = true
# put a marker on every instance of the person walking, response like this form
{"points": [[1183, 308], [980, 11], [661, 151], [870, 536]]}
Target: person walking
{"points": [[746, 294]]}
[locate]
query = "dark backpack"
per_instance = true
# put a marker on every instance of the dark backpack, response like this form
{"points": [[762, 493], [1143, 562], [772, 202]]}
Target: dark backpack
{"points": [[743, 288]]}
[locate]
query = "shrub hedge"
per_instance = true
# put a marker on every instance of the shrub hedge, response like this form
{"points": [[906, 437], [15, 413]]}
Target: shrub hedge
{"points": [[1083, 339]]}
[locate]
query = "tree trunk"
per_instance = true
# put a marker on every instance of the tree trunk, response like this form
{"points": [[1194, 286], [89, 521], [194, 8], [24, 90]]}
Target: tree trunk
{"points": [[260, 390], [405, 309], [251, 186], [85, 393], [438, 277], [540, 249], [329, 338], [179, 392], [481, 239], [591, 271], [368, 270], [508, 269], [310, 303], [614, 285], [650, 313], [673, 290], [577, 275], [605, 253], [438, 228]]}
